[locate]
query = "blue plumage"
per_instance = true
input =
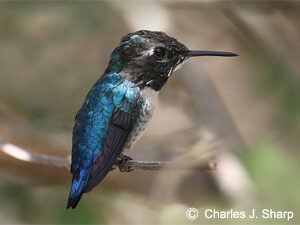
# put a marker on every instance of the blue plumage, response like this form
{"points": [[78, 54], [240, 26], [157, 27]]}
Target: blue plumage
{"points": [[120, 105], [110, 92]]}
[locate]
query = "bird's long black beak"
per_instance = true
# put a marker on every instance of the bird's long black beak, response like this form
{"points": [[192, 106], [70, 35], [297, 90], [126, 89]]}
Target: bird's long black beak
{"points": [[193, 53]]}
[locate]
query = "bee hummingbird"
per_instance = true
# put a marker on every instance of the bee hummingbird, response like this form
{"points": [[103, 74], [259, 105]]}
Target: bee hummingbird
{"points": [[119, 106]]}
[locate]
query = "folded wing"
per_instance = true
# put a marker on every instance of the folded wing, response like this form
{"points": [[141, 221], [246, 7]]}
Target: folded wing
{"points": [[101, 130]]}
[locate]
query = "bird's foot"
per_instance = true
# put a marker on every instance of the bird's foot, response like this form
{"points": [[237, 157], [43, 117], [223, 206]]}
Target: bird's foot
{"points": [[122, 166]]}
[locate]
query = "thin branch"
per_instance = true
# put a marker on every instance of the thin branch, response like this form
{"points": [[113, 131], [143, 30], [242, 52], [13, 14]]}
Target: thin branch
{"points": [[26, 156], [165, 165], [64, 161]]}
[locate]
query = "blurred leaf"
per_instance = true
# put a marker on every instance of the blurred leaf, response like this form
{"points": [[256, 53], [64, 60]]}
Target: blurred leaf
{"points": [[276, 175], [276, 81], [81, 215]]}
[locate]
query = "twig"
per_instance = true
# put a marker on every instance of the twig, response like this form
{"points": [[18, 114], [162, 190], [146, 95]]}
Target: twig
{"points": [[64, 161], [26, 156], [159, 165]]}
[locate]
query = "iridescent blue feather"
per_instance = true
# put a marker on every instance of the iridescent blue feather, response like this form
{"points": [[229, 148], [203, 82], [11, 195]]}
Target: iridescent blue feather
{"points": [[110, 92]]}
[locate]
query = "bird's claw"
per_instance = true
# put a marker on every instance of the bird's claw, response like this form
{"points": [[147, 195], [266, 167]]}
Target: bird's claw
{"points": [[122, 166]]}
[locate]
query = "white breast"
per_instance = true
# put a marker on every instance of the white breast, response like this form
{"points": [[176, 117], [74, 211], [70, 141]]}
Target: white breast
{"points": [[148, 100], [149, 95]]}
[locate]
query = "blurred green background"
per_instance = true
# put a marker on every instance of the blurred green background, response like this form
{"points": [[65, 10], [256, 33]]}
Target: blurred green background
{"points": [[243, 111]]}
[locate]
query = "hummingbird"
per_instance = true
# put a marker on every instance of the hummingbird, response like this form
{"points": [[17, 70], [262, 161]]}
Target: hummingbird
{"points": [[119, 106]]}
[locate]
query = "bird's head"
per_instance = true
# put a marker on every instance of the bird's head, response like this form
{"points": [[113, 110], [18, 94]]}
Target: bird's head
{"points": [[148, 58]]}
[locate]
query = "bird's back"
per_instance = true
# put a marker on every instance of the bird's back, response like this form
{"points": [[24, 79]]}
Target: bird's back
{"points": [[111, 97]]}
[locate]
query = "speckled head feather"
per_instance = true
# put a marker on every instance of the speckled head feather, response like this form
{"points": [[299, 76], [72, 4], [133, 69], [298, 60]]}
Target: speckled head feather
{"points": [[147, 57]]}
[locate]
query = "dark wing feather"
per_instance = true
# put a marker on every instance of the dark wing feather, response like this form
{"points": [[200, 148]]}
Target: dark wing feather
{"points": [[117, 134]]}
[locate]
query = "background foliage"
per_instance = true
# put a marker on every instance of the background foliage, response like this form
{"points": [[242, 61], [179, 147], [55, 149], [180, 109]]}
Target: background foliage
{"points": [[53, 52]]}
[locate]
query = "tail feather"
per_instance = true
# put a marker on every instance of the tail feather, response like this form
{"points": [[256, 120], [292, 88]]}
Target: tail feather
{"points": [[73, 202], [79, 180]]}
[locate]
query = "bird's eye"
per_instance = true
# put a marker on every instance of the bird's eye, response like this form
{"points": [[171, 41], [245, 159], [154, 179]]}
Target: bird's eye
{"points": [[160, 51]]}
